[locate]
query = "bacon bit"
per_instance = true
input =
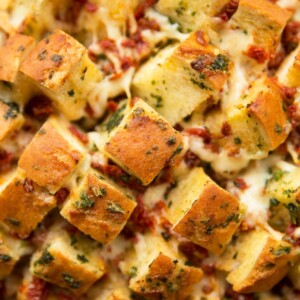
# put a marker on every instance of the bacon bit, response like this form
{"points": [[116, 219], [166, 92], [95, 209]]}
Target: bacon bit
{"points": [[37, 289], [228, 10], [194, 253], [93, 57], [257, 53], [200, 38], [276, 60], [207, 288], [200, 132], [112, 105], [39, 107], [288, 93], [226, 129], [129, 43], [213, 147], [245, 227], [141, 220], [72, 13], [109, 45], [119, 176], [28, 185], [208, 268], [159, 206], [83, 137], [141, 9], [6, 160], [91, 7], [291, 36], [88, 109], [294, 114], [231, 294], [191, 159], [151, 24], [126, 63], [61, 195], [240, 184]]}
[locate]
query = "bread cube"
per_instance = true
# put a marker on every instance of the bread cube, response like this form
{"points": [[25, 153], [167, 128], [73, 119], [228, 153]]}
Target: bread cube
{"points": [[259, 121], [71, 261], [203, 212], [284, 186], [12, 53], [259, 261], [98, 208], [190, 14], [52, 155], [63, 71], [181, 78], [158, 271], [140, 139], [23, 204], [9, 253], [10, 118], [262, 19], [289, 71]]}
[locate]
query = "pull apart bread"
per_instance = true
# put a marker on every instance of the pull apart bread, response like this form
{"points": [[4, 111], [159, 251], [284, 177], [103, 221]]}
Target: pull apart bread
{"points": [[149, 149]]}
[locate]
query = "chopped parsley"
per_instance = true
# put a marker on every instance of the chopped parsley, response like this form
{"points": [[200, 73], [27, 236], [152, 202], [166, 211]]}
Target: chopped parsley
{"points": [[82, 259], [115, 119], [85, 201], [220, 63], [45, 259], [115, 208], [12, 112], [99, 192], [159, 100], [281, 250], [72, 283]]}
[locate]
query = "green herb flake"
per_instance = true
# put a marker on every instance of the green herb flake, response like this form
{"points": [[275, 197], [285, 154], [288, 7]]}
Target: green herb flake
{"points": [[294, 213], [82, 259], [85, 201], [278, 128], [133, 271], [71, 93], [281, 250], [45, 259], [115, 119], [5, 258], [12, 111], [220, 63], [72, 283], [159, 100], [171, 141], [115, 208], [237, 141], [57, 58], [99, 192], [274, 202], [13, 222]]}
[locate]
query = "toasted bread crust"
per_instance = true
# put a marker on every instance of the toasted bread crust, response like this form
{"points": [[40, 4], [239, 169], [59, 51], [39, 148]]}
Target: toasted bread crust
{"points": [[166, 279], [111, 208], [212, 220], [10, 119], [24, 204], [49, 159], [271, 266], [12, 53], [149, 138], [54, 57]]}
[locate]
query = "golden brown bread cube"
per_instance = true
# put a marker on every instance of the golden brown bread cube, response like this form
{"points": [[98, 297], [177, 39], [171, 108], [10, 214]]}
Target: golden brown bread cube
{"points": [[258, 261], [259, 122], [12, 53], [181, 78], [98, 208], [284, 185], [8, 253], [63, 71], [289, 72], [203, 212], [10, 118], [68, 260], [23, 204], [141, 138], [190, 14], [52, 155], [262, 19], [157, 270]]}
